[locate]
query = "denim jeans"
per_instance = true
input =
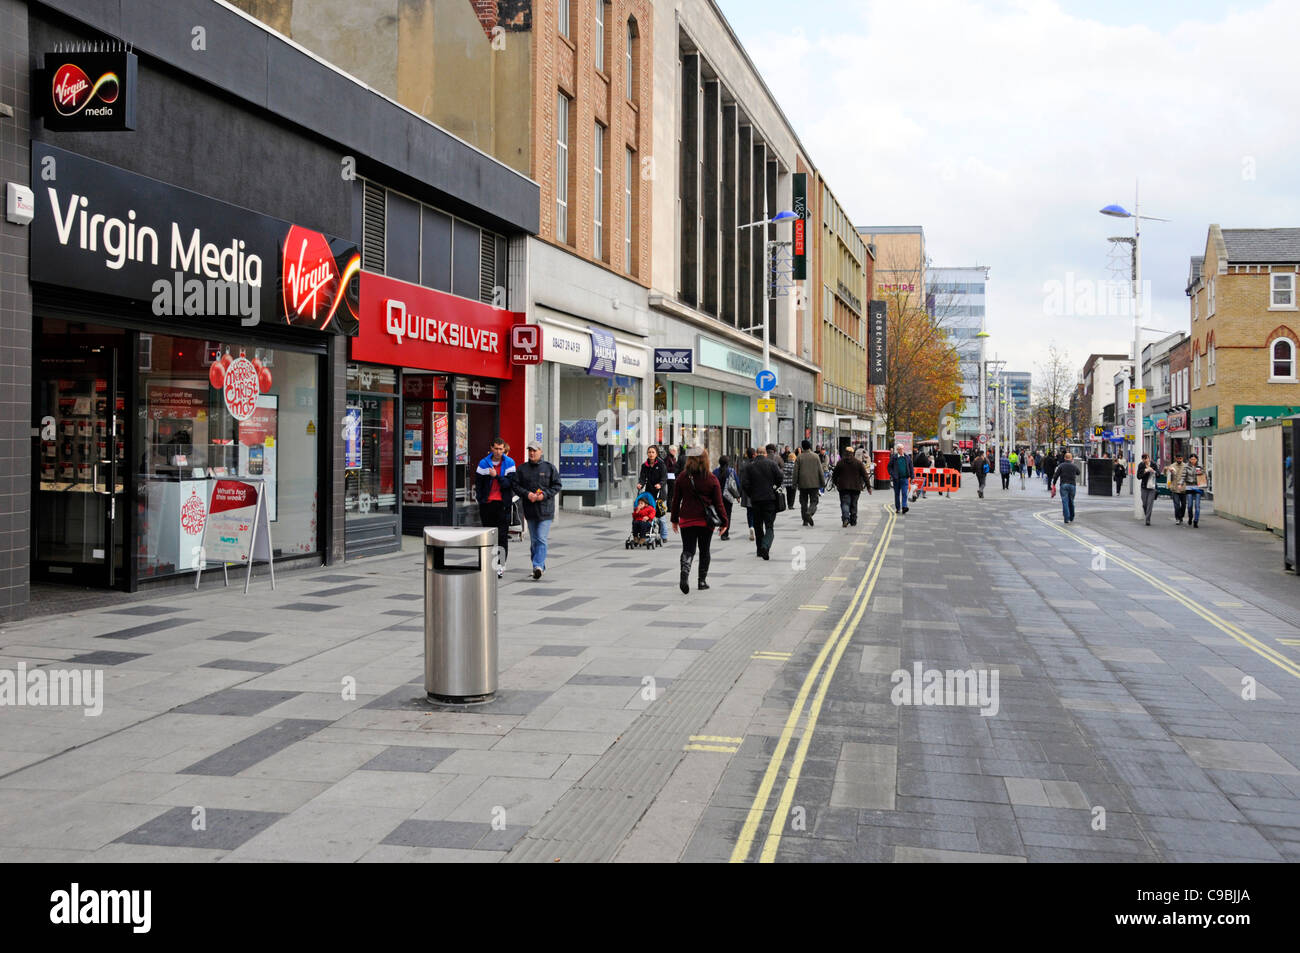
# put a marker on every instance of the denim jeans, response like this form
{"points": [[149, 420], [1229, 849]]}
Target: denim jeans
{"points": [[1067, 501], [900, 494], [849, 506], [538, 530], [1193, 505]]}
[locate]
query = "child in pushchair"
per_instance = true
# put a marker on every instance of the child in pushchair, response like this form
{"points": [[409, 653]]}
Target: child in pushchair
{"points": [[645, 532]]}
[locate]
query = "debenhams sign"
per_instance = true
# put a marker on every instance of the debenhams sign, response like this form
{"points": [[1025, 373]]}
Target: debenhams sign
{"points": [[103, 229]]}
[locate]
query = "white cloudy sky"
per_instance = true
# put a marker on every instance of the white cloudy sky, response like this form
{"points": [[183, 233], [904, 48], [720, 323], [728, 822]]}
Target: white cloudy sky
{"points": [[1002, 127]]}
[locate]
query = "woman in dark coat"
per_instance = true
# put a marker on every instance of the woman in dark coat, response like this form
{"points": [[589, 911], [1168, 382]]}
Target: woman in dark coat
{"points": [[694, 487]]}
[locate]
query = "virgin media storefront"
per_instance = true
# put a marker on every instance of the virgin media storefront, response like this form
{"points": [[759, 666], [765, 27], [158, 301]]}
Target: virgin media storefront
{"points": [[177, 340], [431, 383]]}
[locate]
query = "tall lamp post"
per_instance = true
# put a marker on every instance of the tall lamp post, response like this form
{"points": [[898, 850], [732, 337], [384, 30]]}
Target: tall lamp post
{"points": [[782, 216], [1118, 211]]}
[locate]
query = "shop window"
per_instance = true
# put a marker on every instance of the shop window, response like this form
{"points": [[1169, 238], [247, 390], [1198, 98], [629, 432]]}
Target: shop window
{"points": [[189, 435], [435, 249], [426, 439], [369, 441], [465, 260], [402, 238]]}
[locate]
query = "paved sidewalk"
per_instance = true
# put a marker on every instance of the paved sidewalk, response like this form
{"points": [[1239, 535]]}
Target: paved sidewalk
{"points": [[292, 725]]}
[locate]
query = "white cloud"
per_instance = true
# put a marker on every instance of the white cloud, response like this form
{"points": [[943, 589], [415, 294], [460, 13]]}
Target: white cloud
{"points": [[1004, 127]]}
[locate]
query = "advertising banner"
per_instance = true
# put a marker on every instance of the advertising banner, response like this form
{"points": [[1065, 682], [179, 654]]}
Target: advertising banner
{"points": [[799, 261], [352, 438], [86, 92], [579, 465], [876, 342], [904, 439], [604, 354], [103, 229], [412, 326]]}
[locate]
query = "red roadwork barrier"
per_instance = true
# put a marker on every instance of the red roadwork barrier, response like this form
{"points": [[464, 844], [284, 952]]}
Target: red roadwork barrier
{"points": [[936, 480]]}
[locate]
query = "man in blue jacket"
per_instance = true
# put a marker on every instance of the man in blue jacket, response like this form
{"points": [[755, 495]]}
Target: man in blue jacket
{"points": [[538, 483], [900, 474], [493, 483]]}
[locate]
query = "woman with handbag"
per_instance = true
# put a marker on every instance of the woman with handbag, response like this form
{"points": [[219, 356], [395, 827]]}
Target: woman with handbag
{"points": [[697, 508]]}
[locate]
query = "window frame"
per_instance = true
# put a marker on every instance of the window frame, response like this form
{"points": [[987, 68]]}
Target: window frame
{"points": [[1273, 376], [1196, 371], [563, 111], [628, 203], [630, 59], [602, 48], [1273, 291], [563, 24], [1209, 310], [599, 138], [1210, 363]]}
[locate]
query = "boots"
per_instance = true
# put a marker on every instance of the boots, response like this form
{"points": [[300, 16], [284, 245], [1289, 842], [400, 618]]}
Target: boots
{"points": [[685, 582]]}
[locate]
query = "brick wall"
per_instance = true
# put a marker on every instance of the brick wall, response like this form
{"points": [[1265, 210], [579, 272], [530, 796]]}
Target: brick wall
{"points": [[570, 65], [1241, 330], [15, 319]]}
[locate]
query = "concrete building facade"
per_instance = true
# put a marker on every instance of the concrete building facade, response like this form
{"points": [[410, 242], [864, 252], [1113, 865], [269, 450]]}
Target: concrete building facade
{"points": [[958, 300]]}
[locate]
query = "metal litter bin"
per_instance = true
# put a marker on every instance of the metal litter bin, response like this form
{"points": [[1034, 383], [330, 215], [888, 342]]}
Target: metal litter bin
{"points": [[460, 614]]}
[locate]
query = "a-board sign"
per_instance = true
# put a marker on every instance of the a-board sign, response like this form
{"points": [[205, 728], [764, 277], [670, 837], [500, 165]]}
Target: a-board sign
{"points": [[237, 530]]}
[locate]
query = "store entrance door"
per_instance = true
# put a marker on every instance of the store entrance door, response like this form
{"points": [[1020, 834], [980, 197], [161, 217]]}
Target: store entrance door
{"points": [[79, 448]]}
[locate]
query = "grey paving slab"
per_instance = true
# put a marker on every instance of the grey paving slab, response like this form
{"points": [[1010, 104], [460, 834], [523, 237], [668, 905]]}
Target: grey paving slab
{"points": [[136, 631], [308, 607], [414, 833], [567, 622], [569, 651], [105, 658], [1236, 756], [258, 747], [240, 635], [235, 701], [408, 758], [148, 610], [213, 828], [241, 665], [339, 590]]}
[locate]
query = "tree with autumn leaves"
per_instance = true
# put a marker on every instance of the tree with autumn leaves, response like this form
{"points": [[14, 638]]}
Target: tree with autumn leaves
{"points": [[922, 372]]}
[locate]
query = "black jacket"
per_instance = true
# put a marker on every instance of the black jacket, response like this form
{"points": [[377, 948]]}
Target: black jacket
{"points": [[538, 476], [1066, 472], [761, 481], [652, 474]]}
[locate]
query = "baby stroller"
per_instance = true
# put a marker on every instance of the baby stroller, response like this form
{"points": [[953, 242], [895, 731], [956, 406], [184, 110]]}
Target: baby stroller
{"points": [[645, 531]]}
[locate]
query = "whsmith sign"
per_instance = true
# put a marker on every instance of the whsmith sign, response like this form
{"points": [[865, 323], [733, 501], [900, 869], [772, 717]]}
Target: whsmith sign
{"points": [[103, 229]]}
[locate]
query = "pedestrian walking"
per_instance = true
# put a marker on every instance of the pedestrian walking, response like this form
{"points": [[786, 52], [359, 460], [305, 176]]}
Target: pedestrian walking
{"points": [[980, 467], [1121, 471], [744, 465], [810, 478], [1146, 476], [725, 474], [537, 482], [653, 479], [1048, 467], [671, 466], [761, 482], [492, 488], [921, 462], [697, 507], [1177, 490], [787, 463], [1066, 476], [1020, 469], [1194, 482], [850, 477], [900, 475], [1029, 468], [1004, 468]]}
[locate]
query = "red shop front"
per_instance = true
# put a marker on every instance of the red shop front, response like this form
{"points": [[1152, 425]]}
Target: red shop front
{"points": [[443, 362]]}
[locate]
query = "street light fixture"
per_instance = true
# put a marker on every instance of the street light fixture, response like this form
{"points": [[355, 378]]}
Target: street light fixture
{"points": [[1118, 211], [784, 215]]}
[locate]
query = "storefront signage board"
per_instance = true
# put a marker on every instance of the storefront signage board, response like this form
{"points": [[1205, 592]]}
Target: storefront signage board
{"points": [[720, 357], [237, 528], [674, 360], [875, 342], [87, 92], [579, 465]]}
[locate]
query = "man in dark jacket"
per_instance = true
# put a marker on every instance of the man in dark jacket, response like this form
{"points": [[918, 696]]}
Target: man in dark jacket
{"points": [[808, 478], [537, 483], [1067, 475], [492, 482], [761, 482], [900, 475], [849, 477], [980, 467]]}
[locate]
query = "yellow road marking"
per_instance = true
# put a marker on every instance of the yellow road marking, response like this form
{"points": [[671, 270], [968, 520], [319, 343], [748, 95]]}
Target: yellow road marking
{"points": [[835, 578], [1230, 605], [1289, 641], [724, 749], [750, 828], [811, 608], [850, 559], [720, 738], [772, 656], [1230, 628], [782, 811]]}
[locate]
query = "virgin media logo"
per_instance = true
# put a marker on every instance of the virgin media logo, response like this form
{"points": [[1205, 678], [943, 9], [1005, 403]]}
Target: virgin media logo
{"points": [[73, 90], [313, 287]]}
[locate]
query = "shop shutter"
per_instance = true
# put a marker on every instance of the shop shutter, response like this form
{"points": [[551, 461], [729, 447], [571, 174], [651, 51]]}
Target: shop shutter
{"points": [[372, 227], [487, 267]]}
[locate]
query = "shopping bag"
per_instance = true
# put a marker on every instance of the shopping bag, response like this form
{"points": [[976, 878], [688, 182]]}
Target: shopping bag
{"points": [[1053, 489]]}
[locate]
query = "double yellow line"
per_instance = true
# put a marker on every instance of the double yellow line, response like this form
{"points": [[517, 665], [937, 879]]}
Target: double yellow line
{"points": [[832, 650], [1230, 628]]}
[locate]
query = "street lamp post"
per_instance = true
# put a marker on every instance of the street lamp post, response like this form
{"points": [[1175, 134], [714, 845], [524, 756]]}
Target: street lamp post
{"points": [[1117, 211], [782, 216]]}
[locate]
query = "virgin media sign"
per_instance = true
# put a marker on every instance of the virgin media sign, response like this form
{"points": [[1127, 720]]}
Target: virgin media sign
{"points": [[87, 91], [413, 326]]}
